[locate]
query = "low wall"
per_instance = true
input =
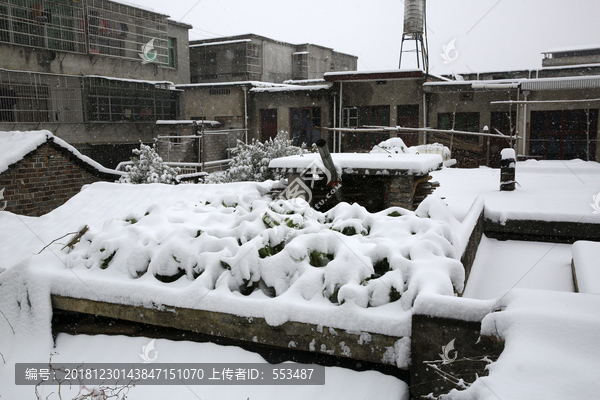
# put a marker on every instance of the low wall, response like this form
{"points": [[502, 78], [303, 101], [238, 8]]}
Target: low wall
{"points": [[362, 346], [542, 231], [445, 351]]}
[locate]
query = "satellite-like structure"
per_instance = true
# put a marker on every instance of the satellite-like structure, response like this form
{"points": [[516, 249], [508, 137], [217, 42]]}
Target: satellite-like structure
{"points": [[415, 29]]}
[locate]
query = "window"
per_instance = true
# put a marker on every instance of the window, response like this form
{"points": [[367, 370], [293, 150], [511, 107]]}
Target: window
{"points": [[300, 65], [374, 116], [219, 92], [304, 123], [53, 25], [366, 116], [24, 103], [114, 100], [350, 117], [118, 30], [466, 122], [172, 52]]}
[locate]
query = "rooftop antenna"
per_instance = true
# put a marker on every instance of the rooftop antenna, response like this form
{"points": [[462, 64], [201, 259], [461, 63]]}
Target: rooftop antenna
{"points": [[415, 29]]}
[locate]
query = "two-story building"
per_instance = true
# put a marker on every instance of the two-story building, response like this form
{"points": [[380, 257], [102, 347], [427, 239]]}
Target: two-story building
{"points": [[77, 68]]}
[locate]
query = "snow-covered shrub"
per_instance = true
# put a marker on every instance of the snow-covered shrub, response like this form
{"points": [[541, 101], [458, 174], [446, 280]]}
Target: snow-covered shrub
{"points": [[251, 161], [148, 167]]}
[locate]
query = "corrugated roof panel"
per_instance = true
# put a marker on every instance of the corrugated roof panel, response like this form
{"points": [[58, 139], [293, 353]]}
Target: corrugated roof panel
{"points": [[558, 84]]}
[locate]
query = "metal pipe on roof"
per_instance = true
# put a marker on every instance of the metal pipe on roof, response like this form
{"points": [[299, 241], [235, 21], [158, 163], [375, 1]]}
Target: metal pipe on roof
{"points": [[334, 180]]}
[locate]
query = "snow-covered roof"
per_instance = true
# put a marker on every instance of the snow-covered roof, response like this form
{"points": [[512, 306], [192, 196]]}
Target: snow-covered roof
{"points": [[290, 88], [187, 122], [566, 82], [573, 48], [373, 75], [131, 80], [570, 82], [303, 81], [220, 43], [15, 145], [377, 163], [236, 83]]}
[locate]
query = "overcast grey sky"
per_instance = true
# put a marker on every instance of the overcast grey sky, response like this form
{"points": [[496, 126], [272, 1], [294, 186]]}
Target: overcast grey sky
{"points": [[490, 34]]}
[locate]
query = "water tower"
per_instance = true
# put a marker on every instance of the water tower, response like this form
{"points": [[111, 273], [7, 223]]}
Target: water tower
{"points": [[415, 30]]}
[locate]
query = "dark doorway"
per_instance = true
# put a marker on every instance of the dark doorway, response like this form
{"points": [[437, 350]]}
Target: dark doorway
{"points": [[564, 134], [304, 123], [408, 117], [268, 124]]}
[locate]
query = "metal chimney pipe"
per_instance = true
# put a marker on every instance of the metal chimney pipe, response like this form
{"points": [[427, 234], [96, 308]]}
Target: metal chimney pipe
{"points": [[330, 166]]}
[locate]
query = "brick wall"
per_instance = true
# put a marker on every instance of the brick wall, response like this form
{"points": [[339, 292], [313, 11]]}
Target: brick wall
{"points": [[45, 179]]}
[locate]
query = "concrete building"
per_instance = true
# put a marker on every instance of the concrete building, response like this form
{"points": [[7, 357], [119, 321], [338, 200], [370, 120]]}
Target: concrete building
{"points": [[76, 69], [257, 58], [377, 98]]}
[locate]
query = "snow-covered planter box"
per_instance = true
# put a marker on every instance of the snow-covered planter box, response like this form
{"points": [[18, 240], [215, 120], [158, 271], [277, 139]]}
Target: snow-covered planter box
{"points": [[376, 181]]}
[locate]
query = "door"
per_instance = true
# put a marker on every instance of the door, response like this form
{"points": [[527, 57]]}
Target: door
{"points": [[268, 124]]}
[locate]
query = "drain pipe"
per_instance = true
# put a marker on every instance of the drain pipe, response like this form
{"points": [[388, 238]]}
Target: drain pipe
{"points": [[524, 135], [334, 181]]}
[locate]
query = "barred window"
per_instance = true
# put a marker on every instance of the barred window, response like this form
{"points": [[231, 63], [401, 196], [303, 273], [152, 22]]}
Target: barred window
{"points": [[54, 25], [94, 27], [24, 103], [114, 101]]}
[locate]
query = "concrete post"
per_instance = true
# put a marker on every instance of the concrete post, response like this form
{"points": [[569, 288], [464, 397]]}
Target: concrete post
{"points": [[507, 170]]}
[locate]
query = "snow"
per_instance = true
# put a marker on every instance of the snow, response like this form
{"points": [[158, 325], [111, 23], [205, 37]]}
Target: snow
{"points": [[391, 71], [290, 88], [303, 81], [501, 266], [585, 261], [15, 145], [398, 163], [25, 302], [223, 42], [546, 191], [186, 122], [236, 83], [112, 78], [508, 154], [326, 273], [552, 347]]}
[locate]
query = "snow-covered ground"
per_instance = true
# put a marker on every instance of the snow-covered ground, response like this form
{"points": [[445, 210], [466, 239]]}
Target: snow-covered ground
{"points": [[546, 190], [328, 272], [121, 349], [503, 265]]}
